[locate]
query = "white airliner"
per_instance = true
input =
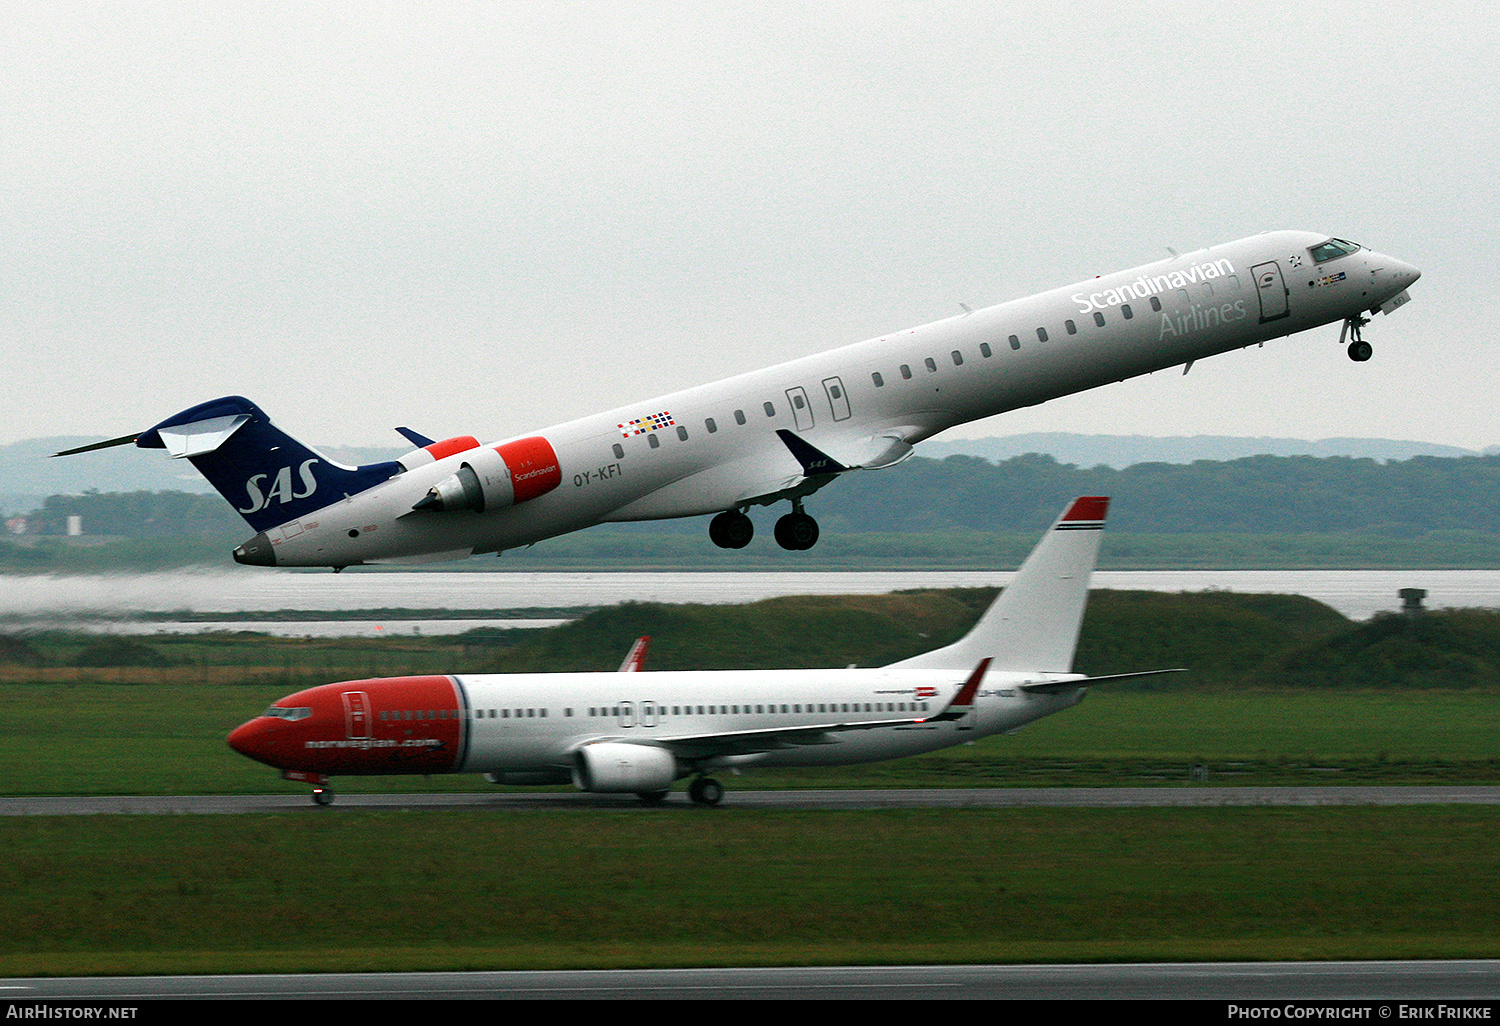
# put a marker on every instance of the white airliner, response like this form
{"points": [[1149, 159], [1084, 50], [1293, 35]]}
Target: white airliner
{"points": [[777, 434], [639, 731]]}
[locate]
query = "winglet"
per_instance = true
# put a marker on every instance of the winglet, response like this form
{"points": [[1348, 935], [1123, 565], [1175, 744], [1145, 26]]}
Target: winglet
{"points": [[964, 700], [814, 461], [635, 659]]}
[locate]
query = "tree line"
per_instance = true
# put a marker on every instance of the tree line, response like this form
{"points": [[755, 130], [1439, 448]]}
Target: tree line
{"points": [[1253, 495]]}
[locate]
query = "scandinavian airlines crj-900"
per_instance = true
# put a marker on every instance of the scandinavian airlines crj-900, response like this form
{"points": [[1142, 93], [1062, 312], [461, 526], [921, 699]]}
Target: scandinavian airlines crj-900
{"points": [[638, 732], [777, 434]]}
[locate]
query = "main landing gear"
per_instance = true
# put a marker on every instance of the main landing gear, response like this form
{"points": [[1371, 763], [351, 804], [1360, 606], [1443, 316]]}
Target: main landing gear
{"points": [[731, 529], [702, 791], [1359, 349], [706, 791], [796, 531]]}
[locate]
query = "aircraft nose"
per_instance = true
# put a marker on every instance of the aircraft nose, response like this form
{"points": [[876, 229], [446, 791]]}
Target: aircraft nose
{"points": [[1394, 274], [253, 739], [1405, 274]]}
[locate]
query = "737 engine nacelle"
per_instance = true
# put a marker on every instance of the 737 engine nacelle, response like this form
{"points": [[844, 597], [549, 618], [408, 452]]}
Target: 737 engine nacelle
{"points": [[614, 766], [494, 478]]}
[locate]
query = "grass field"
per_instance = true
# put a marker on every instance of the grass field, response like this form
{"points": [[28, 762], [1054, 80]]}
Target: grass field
{"points": [[363, 890]]}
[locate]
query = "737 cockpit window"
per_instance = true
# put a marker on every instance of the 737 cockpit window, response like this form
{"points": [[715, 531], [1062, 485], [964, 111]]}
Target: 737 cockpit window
{"points": [[1332, 250], [300, 713]]}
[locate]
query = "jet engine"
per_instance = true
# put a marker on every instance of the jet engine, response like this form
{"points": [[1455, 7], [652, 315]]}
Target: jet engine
{"points": [[496, 477], [616, 766]]}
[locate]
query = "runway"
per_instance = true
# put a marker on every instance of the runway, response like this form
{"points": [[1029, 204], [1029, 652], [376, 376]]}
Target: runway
{"points": [[785, 800], [1380, 985]]}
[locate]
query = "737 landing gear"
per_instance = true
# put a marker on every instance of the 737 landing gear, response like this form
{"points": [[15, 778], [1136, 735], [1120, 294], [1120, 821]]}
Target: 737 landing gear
{"points": [[796, 531], [731, 529], [1359, 349], [322, 796]]}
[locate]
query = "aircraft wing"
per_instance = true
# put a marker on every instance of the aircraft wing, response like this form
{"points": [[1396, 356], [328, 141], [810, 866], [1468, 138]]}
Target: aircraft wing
{"points": [[790, 469], [818, 466], [748, 742]]}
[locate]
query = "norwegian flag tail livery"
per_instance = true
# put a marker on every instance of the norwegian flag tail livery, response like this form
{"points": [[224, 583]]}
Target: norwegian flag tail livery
{"points": [[1033, 623], [639, 731], [777, 435]]}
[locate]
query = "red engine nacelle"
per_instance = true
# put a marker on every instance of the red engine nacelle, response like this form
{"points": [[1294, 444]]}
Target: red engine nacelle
{"points": [[494, 478]]}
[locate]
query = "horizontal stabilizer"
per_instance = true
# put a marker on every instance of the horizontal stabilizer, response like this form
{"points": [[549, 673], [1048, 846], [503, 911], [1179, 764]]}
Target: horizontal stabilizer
{"points": [[111, 443], [416, 438], [1047, 686]]}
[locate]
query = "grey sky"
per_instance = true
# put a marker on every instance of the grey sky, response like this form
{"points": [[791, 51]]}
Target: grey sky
{"points": [[485, 218]]}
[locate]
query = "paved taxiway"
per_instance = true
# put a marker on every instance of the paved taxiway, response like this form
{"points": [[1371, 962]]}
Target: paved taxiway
{"points": [[1373, 982], [926, 798]]}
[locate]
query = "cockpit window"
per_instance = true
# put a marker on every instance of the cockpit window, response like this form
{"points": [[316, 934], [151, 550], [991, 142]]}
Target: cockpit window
{"points": [[281, 713], [1332, 250]]}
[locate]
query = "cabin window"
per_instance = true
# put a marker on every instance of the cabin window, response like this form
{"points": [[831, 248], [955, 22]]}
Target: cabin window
{"points": [[1155, 305], [653, 441], [1015, 342], [1126, 312], [1098, 318], [879, 381], [739, 416], [1041, 334], [798, 401], [906, 372], [958, 358], [931, 365], [1072, 328], [681, 433], [619, 451], [985, 351], [710, 425], [770, 409]]}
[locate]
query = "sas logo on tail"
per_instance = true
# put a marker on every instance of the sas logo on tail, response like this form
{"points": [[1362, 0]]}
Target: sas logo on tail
{"points": [[281, 489]]}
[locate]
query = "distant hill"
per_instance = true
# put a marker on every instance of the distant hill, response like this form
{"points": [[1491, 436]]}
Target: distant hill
{"points": [[1120, 451], [27, 476]]}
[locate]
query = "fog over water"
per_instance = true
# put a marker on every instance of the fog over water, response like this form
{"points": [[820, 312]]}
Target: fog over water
{"points": [[1358, 594]]}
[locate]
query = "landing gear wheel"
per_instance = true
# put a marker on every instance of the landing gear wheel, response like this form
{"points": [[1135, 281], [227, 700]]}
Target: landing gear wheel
{"points": [[322, 796], [796, 531], [1360, 351], [706, 791], [652, 797], [731, 530]]}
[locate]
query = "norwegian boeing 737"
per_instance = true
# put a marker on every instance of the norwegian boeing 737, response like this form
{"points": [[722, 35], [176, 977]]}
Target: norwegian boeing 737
{"points": [[773, 435], [638, 732]]}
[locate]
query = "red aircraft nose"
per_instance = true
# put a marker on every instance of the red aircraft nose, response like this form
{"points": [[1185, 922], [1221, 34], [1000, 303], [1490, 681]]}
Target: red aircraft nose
{"points": [[253, 739]]}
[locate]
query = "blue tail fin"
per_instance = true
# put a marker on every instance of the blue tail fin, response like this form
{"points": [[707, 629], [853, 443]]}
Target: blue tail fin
{"points": [[267, 475]]}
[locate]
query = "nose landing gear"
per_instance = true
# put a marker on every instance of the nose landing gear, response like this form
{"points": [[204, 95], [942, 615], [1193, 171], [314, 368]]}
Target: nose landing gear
{"points": [[1359, 349]]}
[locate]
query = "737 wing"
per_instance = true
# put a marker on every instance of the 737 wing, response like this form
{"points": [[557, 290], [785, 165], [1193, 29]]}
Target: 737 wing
{"points": [[748, 742]]}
